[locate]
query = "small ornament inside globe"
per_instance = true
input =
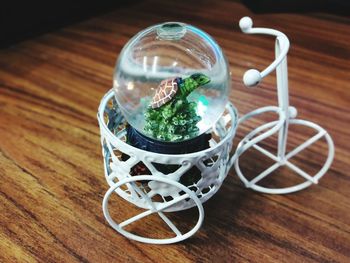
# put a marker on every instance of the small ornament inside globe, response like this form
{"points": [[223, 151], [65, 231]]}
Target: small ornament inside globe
{"points": [[171, 83]]}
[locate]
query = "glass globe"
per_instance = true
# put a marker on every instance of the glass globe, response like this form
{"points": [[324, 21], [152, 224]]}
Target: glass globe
{"points": [[171, 82]]}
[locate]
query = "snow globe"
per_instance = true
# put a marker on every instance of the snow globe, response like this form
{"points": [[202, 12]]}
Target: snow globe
{"points": [[162, 123], [171, 84], [167, 125]]}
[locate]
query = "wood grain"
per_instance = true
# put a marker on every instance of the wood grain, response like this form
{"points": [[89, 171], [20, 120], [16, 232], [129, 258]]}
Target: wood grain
{"points": [[52, 181]]}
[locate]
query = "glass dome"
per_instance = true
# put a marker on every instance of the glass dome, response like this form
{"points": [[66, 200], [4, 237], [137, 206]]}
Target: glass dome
{"points": [[171, 82]]}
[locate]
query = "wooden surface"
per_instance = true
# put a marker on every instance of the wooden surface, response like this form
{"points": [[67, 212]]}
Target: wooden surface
{"points": [[51, 171]]}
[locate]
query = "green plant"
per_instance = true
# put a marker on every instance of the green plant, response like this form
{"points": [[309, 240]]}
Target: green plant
{"points": [[174, 121]]}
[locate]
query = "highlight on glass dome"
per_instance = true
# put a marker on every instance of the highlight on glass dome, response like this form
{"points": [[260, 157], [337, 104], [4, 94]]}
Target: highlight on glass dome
{"points": [[171, 83]]}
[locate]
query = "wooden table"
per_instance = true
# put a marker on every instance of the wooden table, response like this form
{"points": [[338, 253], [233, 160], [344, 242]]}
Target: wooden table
{"points": [[51, 170]]}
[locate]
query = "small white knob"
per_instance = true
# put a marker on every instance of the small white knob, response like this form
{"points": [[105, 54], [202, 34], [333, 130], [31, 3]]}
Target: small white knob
{"points": [[251, 78], [293, 112], [245, 23]]}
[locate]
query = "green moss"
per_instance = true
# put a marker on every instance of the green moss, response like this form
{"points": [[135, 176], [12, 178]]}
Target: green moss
{"points": [[174, 121]]}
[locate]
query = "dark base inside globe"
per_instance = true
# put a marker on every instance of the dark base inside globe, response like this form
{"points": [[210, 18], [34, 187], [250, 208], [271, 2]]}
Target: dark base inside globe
{"points": [[140, 141]]}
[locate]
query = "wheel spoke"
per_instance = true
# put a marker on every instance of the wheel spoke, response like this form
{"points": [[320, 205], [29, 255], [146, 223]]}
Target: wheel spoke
{"points": [[170, 224], [154, 210], [301, 172], [266, 152], [305, 144], [135, 218], [263, 174]]}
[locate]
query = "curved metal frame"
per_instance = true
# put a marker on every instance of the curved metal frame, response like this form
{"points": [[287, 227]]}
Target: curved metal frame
{"points": [[286, 116]]}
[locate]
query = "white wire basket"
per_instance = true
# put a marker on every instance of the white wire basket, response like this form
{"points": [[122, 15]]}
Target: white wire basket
{"points": [[158, 193], [211, 164]]}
